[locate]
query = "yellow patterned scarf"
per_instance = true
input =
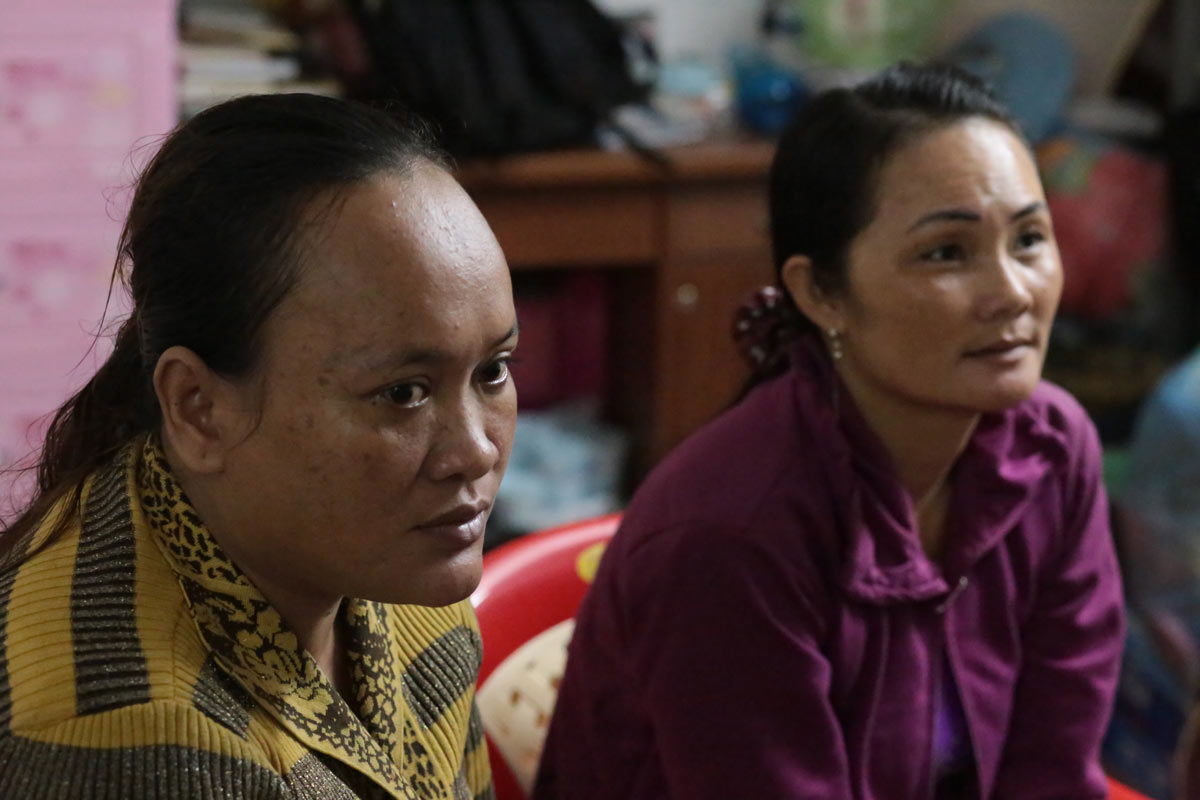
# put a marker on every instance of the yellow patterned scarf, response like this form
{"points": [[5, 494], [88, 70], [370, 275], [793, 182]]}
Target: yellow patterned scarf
{"points": [[255, 645]]}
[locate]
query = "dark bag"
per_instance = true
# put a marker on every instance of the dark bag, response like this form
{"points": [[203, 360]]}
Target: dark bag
{"points": [[499, 76], [1182, 133]]}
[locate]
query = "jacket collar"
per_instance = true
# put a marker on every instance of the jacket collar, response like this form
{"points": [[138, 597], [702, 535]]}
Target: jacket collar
{"points": [[255, 646], [994, 481]]}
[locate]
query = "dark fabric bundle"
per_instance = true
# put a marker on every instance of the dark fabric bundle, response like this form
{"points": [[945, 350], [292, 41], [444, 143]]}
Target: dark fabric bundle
{"points": [[498, 76], [1181, 135]]}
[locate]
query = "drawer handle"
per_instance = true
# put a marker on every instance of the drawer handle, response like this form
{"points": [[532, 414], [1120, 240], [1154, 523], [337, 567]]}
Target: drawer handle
{"points": [[687, 295]]}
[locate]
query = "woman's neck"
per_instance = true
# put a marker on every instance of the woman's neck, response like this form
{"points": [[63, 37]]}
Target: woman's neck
{"points": [[924, 443], [312, 616], [316, 623], [314, 619]]}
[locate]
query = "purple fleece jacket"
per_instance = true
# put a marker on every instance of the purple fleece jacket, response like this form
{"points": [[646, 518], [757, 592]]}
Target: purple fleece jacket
{"points": [[765, 624]]}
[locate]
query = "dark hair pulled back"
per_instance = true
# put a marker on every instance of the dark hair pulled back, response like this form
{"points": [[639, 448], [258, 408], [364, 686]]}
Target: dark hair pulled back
{"points": [[824, 175], [208, 250]]}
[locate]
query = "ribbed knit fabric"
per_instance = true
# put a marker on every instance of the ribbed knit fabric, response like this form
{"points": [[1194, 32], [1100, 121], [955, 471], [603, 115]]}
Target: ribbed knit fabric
{"points": [[137, 661]]}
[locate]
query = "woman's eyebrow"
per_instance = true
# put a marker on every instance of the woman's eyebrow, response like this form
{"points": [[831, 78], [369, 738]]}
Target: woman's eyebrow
{"points": [[1032, 208], [967, 215], [405, 357], [946, 215], [513, 331]]}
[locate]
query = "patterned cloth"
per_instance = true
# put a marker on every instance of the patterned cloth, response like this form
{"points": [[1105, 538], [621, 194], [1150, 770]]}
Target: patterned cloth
{"points": [[138, 661]]}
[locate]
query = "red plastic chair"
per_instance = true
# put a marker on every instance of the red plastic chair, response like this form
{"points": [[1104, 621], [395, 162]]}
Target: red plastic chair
{"points": [[1117, 791], [530, 585]]}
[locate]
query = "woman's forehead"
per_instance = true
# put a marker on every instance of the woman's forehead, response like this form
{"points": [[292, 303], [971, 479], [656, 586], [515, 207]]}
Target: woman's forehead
{"points": [[973, 163], [418, 227], [401, 255]]}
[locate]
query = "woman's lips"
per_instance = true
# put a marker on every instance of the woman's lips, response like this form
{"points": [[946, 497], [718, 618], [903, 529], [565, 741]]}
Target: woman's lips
{"points": [[463, 525], [1005, 350]]}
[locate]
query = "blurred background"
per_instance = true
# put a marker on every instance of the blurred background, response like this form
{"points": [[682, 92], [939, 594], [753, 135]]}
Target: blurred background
{"points": [[619, 149]]}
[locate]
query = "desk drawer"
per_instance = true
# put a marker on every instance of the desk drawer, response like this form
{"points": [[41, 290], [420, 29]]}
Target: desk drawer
{"points": [[713, 219]]}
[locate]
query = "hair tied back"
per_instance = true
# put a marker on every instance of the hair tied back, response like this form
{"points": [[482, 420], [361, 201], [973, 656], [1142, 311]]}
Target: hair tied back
{"points": [[763, 326]]}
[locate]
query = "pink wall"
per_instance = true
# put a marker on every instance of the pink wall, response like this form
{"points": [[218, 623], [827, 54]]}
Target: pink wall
{"points": [[85, 89]]}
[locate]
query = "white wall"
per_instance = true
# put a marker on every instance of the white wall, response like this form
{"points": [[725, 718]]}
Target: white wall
{"points": [[704, 28]]}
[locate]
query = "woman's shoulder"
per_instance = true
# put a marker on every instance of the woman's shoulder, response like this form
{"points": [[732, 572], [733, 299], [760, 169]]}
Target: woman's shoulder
{"points": [[430, 639], [110, 753], [728, 464], [1057, 407], [94, 620], [1051, 427], [416, 628], [1053, 409], [751, 479]]}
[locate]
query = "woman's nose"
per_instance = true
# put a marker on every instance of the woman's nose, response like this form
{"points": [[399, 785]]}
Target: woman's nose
{"points": [[1009, 292], [464, 447]]}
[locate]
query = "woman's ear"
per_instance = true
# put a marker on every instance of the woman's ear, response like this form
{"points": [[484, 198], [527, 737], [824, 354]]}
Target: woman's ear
{"points": [[199, 411], [824, 310]]}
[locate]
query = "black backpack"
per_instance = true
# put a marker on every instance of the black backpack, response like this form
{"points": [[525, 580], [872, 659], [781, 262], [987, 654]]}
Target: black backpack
{"points": [[498, 76]]}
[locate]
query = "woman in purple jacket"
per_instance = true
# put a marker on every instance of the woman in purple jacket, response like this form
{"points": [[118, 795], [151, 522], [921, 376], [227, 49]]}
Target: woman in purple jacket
{"points": [[887, 572]]}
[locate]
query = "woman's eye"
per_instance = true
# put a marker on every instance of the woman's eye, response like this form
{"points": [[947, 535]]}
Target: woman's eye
{"points": [[1030, 239], [496, 373], [406, 395], [945, 252]]}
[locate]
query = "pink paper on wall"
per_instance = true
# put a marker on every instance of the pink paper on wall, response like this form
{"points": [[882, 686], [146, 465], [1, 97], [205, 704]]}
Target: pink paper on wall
{"points": [[86, 90], [68, 95]]}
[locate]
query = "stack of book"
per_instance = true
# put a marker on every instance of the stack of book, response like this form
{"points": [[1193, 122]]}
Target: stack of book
{"points": [[230, 48]]}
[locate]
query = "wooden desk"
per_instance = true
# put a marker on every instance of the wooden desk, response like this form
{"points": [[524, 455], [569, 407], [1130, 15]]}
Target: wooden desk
{"points": [[684, 241]]}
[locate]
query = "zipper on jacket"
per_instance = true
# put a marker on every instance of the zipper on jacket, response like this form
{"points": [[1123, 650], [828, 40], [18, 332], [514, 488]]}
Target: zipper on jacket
{"points": [[942, 648], [935, 698], [954, 593], [949, 661]]}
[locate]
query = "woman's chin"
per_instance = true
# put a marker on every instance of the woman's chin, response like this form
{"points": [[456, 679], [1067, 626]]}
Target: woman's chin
{"points": [[1006, 396], [444, 585]]}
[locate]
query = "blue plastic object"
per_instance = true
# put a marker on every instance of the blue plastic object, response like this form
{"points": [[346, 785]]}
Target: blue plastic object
{"points": [[1029, 61], [768, 94]]}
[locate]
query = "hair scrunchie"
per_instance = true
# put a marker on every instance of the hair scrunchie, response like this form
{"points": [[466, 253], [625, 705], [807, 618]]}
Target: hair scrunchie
{"points": [[763, 326]]}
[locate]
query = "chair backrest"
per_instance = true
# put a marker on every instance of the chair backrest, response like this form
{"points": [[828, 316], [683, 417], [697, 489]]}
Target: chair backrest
{"points": [[530, 588], [1118, 791]]}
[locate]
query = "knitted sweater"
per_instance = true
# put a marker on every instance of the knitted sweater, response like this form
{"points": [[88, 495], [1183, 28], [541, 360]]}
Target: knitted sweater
{"points": [[138, 661]]}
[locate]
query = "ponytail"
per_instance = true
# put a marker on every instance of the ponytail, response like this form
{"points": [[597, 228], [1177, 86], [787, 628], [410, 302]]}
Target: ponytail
{"points": [[89, 429], [764, 327], [112, 408]]}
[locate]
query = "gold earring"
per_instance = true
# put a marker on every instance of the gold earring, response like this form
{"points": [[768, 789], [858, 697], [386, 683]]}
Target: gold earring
{"points": [[835, 344]]}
